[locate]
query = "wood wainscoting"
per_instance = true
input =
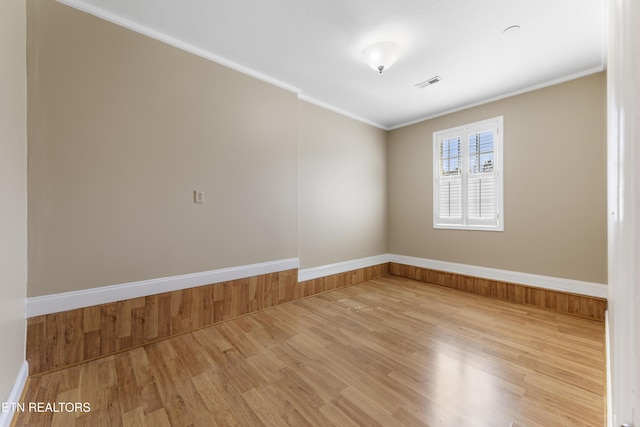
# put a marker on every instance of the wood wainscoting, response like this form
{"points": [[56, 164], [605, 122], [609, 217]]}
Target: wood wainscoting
{"points": [[63, 339], [563, 302], [70, 337]]}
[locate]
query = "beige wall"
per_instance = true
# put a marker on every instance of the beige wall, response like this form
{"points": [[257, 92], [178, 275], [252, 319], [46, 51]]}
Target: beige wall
{"points": [[13, 190], [342, 188], [554, 186], [122, 130]]}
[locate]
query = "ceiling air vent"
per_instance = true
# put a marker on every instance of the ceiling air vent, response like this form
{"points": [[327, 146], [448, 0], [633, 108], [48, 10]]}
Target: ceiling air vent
{"points": [[428, 82]]}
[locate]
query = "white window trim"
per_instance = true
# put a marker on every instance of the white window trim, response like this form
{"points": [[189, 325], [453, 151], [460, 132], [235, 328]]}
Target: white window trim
{"points": [[498, 164]]}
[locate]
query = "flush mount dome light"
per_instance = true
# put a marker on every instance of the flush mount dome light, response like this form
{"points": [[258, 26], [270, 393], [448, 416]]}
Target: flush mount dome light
{"points": [[381, 55], [511, 29]]}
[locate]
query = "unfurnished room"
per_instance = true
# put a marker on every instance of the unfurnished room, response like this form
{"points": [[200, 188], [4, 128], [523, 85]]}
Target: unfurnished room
{"points": [[319, 213]]}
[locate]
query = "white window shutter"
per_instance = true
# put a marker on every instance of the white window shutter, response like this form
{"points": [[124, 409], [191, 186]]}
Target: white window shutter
{"points": [[450, 209], [467, 172], [482, 198], [449, 181], [481, 188]]}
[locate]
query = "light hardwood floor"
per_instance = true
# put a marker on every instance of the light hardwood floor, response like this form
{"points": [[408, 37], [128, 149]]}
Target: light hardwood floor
{"points": [[388, 352]]}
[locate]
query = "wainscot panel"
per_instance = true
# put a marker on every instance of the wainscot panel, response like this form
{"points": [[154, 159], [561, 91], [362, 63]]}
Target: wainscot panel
{"points": [[562, 302], [66, 338]]}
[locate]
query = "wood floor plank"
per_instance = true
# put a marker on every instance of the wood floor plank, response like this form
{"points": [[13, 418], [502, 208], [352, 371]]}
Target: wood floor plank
{"points": [[211, 388], [389, 352], [337, 417]]}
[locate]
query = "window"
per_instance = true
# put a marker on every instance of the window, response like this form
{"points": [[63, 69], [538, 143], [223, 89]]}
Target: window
{"points": [[467, 178]]}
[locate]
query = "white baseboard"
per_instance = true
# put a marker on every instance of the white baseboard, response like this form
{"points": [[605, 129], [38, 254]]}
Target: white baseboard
{"points": [[14, 395], [340, 267], [597, 290], [47, 304]]}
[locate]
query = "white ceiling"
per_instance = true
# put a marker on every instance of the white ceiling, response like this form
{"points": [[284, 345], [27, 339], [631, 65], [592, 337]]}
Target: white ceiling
{"points": [[314, 47]]}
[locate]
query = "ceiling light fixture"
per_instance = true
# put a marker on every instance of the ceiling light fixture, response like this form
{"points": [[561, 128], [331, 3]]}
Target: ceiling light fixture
{"points": [[511, 30], [381, 55]]}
